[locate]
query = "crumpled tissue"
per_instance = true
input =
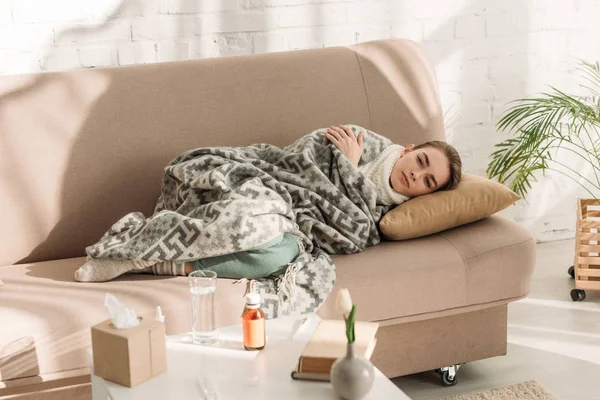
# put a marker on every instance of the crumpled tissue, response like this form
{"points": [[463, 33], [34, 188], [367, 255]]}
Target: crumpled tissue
{"points": [[120, 316]]}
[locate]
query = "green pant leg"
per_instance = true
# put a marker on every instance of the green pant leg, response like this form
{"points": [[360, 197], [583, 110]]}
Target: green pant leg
{"points": [[271, 258]]}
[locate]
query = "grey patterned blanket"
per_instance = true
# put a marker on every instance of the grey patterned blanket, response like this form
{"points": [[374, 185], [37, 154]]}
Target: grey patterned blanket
{"points": [[221, 200]]}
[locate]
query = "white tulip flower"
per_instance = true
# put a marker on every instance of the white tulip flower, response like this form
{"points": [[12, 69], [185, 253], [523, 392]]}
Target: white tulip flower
{"points": [[344, 302]]}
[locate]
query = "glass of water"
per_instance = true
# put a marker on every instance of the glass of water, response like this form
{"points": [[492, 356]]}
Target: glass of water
{"points": [[203, 288]]}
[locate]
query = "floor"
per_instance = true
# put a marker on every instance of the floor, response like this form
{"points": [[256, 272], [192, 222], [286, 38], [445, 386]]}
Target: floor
{"points": [[551, 340]]}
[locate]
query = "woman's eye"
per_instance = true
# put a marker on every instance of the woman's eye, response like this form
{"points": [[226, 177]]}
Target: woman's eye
{"points": [[428, 183], [419, 160]]}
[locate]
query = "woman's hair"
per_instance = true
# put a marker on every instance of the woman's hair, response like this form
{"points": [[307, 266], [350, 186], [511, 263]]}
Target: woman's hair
{"points": [[453, 157]]}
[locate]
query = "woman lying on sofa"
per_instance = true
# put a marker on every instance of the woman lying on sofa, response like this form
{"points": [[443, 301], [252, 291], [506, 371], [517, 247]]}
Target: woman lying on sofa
{"points": [[399, 173]]}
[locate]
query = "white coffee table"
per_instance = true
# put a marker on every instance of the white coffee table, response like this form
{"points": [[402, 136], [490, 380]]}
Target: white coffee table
{"points": [[229, 372]]}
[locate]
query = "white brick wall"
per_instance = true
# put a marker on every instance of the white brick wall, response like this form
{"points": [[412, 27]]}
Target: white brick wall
{"points": [[486, 53]]}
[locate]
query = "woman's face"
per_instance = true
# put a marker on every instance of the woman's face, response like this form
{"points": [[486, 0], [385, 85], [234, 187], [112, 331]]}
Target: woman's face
{"points": [[420, 171]]}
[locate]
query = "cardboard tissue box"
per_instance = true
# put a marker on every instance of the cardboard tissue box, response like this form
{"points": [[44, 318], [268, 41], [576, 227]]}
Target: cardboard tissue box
{"points": [[132, 353]]}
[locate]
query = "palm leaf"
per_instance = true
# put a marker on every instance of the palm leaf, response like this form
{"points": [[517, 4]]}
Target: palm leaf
{"points": [[547, 121]]}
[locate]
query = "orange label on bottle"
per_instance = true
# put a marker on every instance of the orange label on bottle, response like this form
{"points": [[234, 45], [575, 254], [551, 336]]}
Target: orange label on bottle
{"points": [[254, 333]]}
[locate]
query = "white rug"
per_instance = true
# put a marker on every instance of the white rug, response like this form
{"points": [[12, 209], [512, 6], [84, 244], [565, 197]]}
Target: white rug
{"points": [[522, 391]]}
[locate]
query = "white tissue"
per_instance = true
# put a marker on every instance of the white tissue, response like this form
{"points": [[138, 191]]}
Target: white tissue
{"points": [[121, 316]]}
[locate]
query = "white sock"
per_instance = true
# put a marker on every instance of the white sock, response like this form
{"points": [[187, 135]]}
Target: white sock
{"points": [[162, 268], [169, 268], [105, 269]]}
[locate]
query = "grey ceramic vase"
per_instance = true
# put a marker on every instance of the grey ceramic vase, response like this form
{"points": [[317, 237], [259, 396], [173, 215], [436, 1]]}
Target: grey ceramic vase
{"points": [[352, 375]]}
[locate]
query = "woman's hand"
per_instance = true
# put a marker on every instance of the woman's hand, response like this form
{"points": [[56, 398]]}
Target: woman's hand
{"points": [[343, 138]]}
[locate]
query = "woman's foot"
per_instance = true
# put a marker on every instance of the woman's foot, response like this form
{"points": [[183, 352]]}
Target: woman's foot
{"points": [[105, 269]]}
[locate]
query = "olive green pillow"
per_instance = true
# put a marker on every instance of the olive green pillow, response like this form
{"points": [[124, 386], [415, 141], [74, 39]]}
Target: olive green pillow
{"points": [[474, 198]]}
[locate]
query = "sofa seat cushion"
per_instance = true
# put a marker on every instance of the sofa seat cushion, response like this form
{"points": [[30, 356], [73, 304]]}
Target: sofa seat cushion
{"points": [[483, 262], [46, 316]]}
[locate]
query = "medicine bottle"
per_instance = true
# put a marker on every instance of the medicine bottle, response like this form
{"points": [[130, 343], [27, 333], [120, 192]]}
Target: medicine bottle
{"points": [[253, 323]]}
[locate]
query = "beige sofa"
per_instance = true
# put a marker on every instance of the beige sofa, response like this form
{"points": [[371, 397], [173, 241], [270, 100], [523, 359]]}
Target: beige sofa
{"points": [[66, 137]]}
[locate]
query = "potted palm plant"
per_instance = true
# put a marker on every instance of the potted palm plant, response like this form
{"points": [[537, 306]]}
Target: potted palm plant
{"points": [[544, 129]]}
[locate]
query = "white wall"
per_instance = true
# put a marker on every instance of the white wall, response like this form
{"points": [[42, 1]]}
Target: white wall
{"points": [[486, 53]]}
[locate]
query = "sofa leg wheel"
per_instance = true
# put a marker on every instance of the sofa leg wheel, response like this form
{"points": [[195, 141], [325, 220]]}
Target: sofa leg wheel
{"points": [[448, 374], [447, 380], [572, 271], [578, 294]]}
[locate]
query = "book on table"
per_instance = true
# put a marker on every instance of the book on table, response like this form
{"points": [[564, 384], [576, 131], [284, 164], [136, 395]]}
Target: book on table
{"points": [[328, 343]]}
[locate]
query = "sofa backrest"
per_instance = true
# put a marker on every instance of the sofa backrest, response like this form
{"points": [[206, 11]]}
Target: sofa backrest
{"points": [[80, 149]]}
